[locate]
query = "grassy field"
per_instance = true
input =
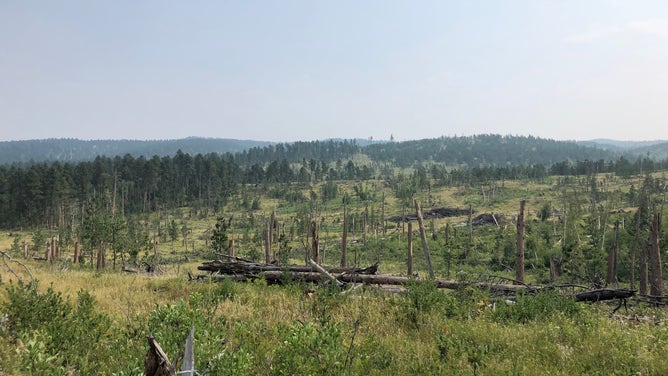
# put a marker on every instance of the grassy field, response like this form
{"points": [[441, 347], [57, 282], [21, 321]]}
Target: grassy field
{"points": [[77, 321]]}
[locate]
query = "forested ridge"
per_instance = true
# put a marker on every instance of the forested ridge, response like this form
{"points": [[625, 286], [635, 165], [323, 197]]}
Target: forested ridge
{"points": [[471, 151], [74, 150], [47, 193]]}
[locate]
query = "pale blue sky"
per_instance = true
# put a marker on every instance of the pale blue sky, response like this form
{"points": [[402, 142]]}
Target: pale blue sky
{"points": [[305, 70]]}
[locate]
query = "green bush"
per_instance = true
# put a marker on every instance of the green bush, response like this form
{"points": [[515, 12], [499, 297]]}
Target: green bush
{"points": [[56, 333], [542, 305], [309, 349]]}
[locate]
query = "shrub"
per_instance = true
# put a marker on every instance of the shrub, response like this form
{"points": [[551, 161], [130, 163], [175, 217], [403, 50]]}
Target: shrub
{"points": [[542, 305], [56, 332]]}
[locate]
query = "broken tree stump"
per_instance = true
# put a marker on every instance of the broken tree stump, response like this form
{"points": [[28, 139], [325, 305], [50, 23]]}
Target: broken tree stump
{"points": [[156, 362]]}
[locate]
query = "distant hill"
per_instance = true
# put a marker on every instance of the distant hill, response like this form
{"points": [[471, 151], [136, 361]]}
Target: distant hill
{"points": [[74, 150], [470, 151], [605, 143]]}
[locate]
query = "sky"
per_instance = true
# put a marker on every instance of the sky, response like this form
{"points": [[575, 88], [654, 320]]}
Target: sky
{"points": [[304, 70]]}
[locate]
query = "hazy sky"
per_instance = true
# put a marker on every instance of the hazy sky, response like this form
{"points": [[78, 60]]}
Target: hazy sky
{"points": [[304, 70]]}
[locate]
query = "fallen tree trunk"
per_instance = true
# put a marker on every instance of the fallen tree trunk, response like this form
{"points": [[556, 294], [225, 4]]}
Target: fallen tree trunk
{"points": [[223, 267], [604, 294], [278, 277]]}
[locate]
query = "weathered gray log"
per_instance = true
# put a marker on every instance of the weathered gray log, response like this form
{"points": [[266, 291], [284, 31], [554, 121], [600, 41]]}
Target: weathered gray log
{"points": [[325, 273]]}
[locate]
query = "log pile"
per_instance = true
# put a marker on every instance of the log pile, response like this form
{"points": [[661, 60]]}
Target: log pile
{"points": [[236, 268], [435, 213], [279, 274], [243, 270]]}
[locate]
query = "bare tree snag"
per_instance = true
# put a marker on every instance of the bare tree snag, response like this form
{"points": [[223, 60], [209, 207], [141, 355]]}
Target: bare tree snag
{"points": [[656, 280], [272, 225], [634, 251], [267, 245], [54, 253], [100, 257], [75, 260], [470, 223], [382, 212], [344, 238], [612, 258], [519, 261], [230, 247], [410, 249], [423, 235], [642, 264], [315, 251]]}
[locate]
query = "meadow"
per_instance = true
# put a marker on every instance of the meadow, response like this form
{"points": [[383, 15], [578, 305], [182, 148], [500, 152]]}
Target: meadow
{"points": [[71, 319]]}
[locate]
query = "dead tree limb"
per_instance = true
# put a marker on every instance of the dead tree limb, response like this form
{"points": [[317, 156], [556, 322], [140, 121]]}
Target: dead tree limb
{"points": [[6, 256], [326, 273]]}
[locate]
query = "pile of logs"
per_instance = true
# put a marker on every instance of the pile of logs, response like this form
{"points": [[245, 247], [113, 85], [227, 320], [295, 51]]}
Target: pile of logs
{"points": [[244, 270]]}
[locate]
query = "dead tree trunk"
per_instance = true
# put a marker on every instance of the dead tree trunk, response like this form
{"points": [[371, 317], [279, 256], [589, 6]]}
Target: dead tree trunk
{"points": [[230, 247], [642, 264], [315, 252], [634, 251], [612, 258], [382, 212], [656, 280], [100, 257], [75, 260], [470, 225], [423, 235], [519, 262], [272, 225], [267, 245], [344, 239], [54, 253], [410, 249]]}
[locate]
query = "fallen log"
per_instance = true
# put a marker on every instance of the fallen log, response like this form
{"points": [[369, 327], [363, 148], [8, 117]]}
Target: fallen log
{"points": [[231, 267], [278, 277], [604, 294]]}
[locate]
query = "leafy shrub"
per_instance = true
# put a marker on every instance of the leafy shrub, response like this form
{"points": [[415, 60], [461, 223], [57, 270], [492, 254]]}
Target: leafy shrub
{"points": [[55, 332], [542, 305], [309, 349]]}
